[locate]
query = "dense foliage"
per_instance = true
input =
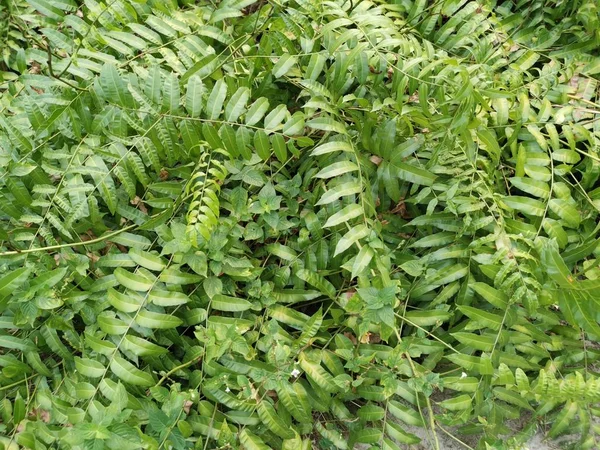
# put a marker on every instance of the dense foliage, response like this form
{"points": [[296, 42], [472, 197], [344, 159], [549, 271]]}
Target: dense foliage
{"points": [[298, 224]]}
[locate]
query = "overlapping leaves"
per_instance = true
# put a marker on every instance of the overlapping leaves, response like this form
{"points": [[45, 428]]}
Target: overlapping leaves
{"points": [[237, 223]]}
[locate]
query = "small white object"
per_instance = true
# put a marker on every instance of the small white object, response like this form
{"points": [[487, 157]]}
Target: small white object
{"points": [[295, 373], [463, 375], [227, 389]]}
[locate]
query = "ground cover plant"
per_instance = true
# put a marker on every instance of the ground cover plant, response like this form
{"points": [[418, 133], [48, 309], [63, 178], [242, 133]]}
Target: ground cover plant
{"points": [[297, 224]]}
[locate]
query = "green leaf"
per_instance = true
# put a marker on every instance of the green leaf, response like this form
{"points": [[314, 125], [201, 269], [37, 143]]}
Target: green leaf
{"points": [[131, 240], [336, 169], [448, 275], [294, 125], [512, 398], [171, 96], [275, 117], [396, 432], [353, 235], [132, 281], [12, 280], [362, 260], [525, 205], [16, 343], [194, 97], [566, 156], [484, 343], [222, 302], [282, 251], [89, 367], [540, 139], [320, 376], [340, 190], [459, 403], [530, 186], [490, 143], [564, 419], [371, 413], [47, 9], [294, 295], [174, 276], [555, 265], [413, 174], [295, 399], [555, 231], [223, 13], [271, 419], [427, 318], [484, 318], [491, 295], [579, 311], [326, 124], [100, 346], [368, 435], [566, 211], [203, 68], [215, 100], [104, 182], [330, 147], [212, 286], [84, 390], [128, 303], [279, 147], [167, 298], [129, 373], [112, 325], [405, 413], [147, 260], [318, 281], [256, 111], [156, 320], [237, 104], [114, 87], [262, 144], [344, 215], [283, 65], [315, 66], [250, 441], [36, 363], [528, 59], [435, 240], [141, 347]]}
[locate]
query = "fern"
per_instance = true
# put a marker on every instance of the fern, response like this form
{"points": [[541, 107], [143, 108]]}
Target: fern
{"points": [[204, 187], [280, 225]]}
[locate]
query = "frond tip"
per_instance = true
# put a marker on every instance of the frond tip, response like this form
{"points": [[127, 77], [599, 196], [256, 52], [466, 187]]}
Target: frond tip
{"points": [[204, 187]]}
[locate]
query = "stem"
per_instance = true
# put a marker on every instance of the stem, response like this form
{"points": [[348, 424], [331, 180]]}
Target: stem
{"points": [[73, 244], [58, 77], [450, 435], [175, 369], [16, 383], [432, 424]]}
